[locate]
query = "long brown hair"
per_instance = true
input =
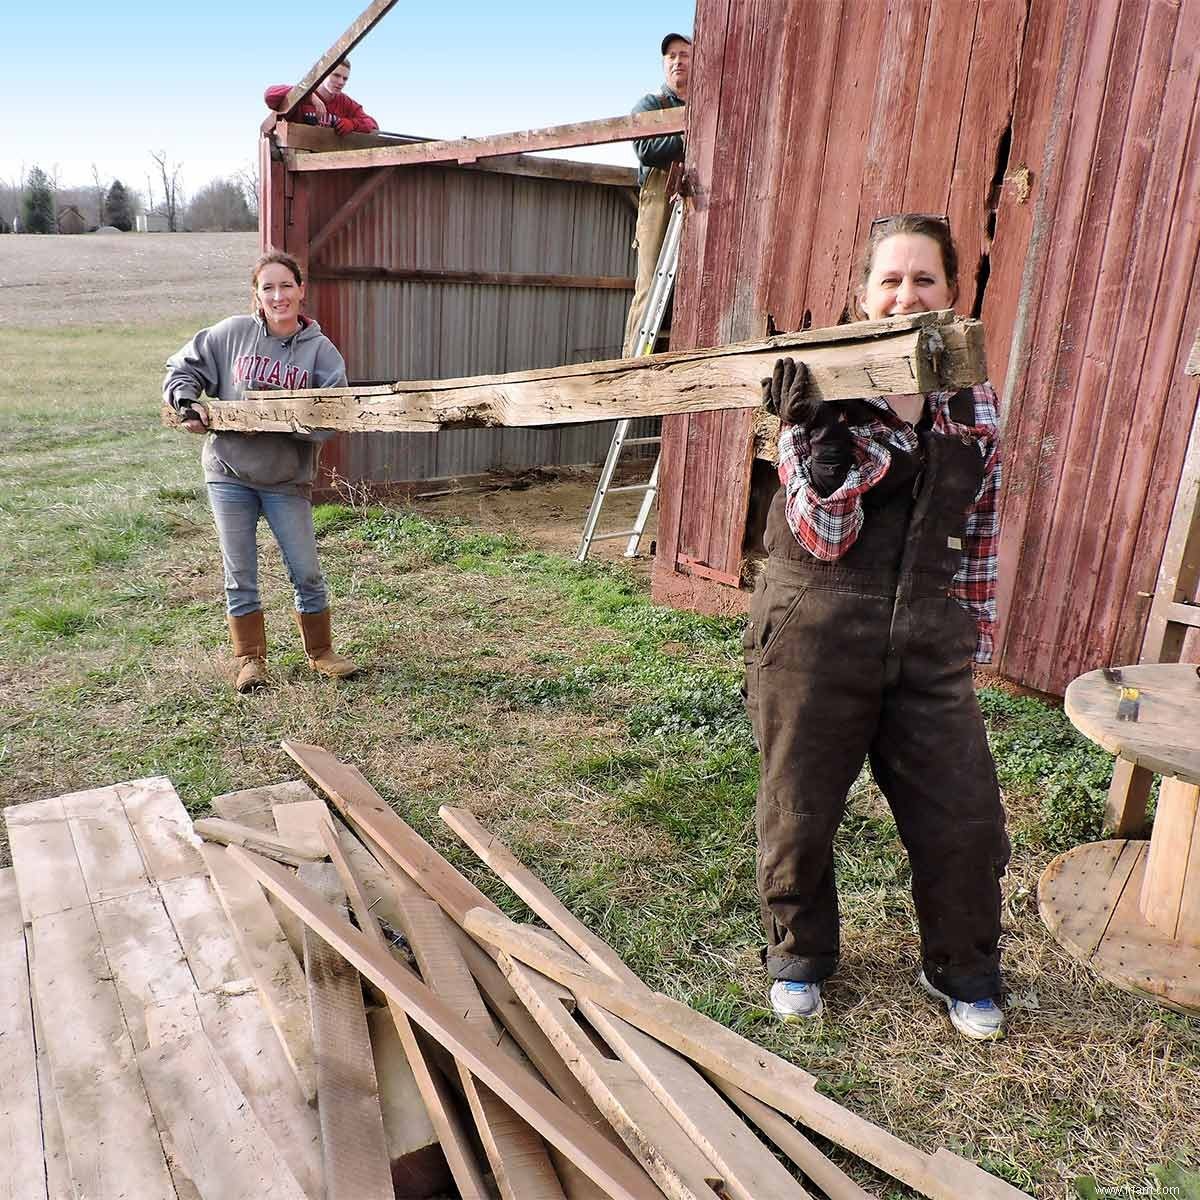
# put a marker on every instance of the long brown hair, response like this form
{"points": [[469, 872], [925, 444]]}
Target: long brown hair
{"points": [[265, 260], [937, 229]]}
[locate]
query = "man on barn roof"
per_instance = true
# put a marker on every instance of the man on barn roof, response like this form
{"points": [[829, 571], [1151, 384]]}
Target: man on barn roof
{"points": [[657, 155], [327, 105]]}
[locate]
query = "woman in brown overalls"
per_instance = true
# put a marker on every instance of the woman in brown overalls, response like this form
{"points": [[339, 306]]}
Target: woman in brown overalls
{"points": [[879, 594]]}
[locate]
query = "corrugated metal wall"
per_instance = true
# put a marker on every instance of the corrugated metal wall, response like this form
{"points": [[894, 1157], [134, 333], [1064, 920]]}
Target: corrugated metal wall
{"points": [[1060, 138], [443, 218]]}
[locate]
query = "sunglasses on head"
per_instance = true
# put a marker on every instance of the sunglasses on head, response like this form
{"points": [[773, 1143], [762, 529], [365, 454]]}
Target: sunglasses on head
{"points": [[940, 218]]}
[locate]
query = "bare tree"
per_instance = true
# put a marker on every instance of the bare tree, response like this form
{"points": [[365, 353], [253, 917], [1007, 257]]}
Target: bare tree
{"points": [[246, 177], [169, 177], [100, 192]]}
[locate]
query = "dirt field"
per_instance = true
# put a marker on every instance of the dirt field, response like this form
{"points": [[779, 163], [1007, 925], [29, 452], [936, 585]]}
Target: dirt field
{"points": [[118, 278]]}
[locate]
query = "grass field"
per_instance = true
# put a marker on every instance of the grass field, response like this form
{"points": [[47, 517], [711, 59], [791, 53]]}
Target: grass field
{"points": [[601, 736]]}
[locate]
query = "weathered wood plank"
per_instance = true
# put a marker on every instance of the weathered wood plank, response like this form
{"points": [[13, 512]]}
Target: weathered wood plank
{"points": [[143, 955], [254, 806], [48, 878], [606, 1165], [105, 847], [372, 896], [204, 934], [303, 825], [655, 1139], [161, 827], [907, 354], [230, 833], [214, 1132], [270, 960], [752, 1068], [354, 1145], [238, 1027], [469, 150], [831, 1179], [54, 1145], [750, 1171], [519, 1160], [21, 1148], [113, 1145], [315, 75]]}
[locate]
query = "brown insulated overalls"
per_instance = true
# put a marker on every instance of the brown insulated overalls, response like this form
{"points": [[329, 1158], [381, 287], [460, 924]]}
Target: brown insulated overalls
{"points": [[870, 657]]}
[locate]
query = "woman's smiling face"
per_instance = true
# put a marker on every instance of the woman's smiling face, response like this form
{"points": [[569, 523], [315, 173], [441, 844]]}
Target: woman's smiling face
{"points": [[907, 276], [279, 297]]}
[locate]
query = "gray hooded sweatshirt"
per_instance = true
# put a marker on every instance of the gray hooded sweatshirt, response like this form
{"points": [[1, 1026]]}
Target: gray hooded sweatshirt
{"points": [[238, 355]]}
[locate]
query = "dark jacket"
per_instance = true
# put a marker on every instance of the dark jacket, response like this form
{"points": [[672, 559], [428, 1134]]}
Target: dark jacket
{"points": [[658, 151]]}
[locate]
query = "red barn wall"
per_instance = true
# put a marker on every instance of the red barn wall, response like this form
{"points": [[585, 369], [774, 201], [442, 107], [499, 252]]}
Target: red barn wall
{"points": [[1060, 138]]}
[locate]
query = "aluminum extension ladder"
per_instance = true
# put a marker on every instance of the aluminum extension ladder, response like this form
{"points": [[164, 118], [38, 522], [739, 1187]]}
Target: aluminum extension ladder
{"points": [[652, 318]]}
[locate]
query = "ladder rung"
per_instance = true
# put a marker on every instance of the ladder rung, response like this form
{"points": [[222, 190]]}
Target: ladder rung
{"points": [[630, 487], [641, 441], [604, 537]]}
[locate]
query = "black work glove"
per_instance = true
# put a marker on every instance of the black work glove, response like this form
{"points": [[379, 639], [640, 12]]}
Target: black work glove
{"points": [[832, 449]]}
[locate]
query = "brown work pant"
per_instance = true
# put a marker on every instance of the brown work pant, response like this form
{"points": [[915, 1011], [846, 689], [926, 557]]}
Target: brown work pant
{"points": [[654, 214], [824, 694]]}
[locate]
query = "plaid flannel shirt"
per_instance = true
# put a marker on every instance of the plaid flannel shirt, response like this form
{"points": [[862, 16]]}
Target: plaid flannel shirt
{"points": [[827, 526]]}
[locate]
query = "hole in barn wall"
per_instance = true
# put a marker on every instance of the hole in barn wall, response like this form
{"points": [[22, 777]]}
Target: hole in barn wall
{"points": [[772, 329], [984, 268], [806, 323]]}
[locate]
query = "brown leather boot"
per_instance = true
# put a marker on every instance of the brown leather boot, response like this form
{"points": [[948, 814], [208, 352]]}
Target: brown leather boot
{"points": [[318, 645], [249, 635]]}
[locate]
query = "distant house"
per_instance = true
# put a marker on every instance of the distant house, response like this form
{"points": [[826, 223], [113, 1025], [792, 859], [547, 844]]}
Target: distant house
{"points": [[151, 222], [71, 220]]}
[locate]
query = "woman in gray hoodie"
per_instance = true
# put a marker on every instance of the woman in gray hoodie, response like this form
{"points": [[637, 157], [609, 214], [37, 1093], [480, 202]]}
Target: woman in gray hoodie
{"points": [[262, 474]]}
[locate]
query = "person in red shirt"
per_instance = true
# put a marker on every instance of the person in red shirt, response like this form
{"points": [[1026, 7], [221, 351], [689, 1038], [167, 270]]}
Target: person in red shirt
{"points": [[327, 105], [879, 595]]}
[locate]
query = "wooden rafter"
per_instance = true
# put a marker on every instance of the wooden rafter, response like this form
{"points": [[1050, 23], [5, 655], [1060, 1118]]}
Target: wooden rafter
{"points": [[292, 135], [468, 150], [315, 76]]}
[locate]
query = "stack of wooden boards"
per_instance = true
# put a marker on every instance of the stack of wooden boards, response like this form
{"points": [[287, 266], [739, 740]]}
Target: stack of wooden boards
{"points": [[189, 1019]]}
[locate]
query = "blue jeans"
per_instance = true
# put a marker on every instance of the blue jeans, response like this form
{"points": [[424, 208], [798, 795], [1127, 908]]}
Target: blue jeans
{"points": [[236, 509]]}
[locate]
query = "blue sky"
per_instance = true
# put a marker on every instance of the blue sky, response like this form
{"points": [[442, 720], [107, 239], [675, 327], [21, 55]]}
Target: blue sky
{"points": [[188, 78]]}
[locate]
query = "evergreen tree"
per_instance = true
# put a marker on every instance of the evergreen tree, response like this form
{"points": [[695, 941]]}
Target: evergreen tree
{"points": [[118, 207], [37, 205]]}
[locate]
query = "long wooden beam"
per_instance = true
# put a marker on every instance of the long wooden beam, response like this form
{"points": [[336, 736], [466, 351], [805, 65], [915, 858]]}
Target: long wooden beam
{"points": [[292, 135], [315, 75], [467, 150], [774, 1080], [906, 354], [599, 1159]]}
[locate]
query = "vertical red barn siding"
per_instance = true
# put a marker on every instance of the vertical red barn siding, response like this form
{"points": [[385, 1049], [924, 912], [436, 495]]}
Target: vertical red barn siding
{"points": [[1060, 137]]}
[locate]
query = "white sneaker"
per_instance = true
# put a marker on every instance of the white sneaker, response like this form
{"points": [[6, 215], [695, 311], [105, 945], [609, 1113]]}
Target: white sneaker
{"points": [[794, 1001], [979, 1020]]}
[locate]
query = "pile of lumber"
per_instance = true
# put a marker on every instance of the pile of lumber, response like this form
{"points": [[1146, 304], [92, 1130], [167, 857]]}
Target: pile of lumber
{"points": [[312, 1002]]}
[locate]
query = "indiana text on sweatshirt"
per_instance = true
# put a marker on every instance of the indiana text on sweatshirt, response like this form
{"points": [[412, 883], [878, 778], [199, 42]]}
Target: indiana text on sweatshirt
{"points": [[240, 354]]}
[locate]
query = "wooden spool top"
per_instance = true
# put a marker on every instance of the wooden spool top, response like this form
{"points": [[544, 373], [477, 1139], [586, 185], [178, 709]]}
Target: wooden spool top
{"points": [[1165, 738]]}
